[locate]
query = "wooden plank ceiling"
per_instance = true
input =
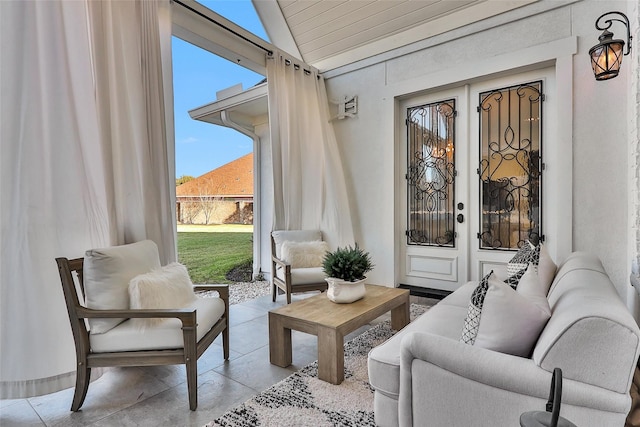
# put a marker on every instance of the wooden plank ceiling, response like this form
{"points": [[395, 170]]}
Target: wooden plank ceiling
{"points": [[331, 33]]}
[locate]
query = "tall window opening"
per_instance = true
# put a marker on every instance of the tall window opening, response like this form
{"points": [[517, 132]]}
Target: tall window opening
{"points": [[214, 163]]}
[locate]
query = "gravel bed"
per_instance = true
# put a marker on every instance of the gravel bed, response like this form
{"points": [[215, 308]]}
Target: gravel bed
{"points": [[244, 291]]}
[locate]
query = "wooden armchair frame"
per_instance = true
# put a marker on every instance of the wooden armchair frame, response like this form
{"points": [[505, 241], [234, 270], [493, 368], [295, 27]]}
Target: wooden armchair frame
{"points": [[188, 355], [286, 286]]}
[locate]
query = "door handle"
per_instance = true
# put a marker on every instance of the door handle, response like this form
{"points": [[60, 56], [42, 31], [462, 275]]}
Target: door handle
{"points": [[460, 218]]}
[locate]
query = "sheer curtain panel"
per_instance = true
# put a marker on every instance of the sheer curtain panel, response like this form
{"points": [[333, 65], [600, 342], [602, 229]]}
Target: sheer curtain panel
{"points": [[309, 185], [85, 162]]}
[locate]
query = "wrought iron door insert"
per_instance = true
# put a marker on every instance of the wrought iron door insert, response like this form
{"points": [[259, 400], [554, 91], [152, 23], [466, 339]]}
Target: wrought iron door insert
{"points": [[510, 169], [431, 174]]}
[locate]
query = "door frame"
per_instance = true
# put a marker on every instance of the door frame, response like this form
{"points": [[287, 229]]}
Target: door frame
{"points": [[558, 54]]}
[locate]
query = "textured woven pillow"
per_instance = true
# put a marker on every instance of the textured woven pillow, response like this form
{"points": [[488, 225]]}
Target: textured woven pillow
{"points": [[514, 280], [472, 321], [163, 288], [539, 257], [304, 254], [528, 253]]}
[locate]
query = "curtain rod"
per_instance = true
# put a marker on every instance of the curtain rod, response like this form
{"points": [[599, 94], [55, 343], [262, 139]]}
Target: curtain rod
{"points": [[222, 26]]}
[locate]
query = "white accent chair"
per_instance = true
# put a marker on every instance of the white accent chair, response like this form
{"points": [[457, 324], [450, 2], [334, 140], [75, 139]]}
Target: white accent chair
{"points": [[113, 339], [285, 278]]}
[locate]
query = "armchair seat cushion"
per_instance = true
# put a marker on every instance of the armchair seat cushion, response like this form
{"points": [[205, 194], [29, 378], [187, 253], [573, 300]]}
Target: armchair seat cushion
{"points": [[303, 276], [127, 336]]}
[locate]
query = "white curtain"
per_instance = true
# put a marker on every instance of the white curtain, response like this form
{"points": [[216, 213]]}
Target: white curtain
{"points": [[85, 162], [309, 185]]}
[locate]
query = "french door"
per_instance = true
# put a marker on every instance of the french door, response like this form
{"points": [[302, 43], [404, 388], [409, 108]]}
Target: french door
{"points": [[472, 171]]}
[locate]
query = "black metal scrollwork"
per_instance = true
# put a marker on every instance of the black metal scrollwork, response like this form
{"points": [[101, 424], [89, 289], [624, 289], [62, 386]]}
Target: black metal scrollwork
{"points": [[509, 170], [431, 174]]}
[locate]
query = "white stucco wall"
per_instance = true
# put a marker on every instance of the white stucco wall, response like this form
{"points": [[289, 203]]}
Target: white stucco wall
{"points": [[633, 115], [601, 133]]}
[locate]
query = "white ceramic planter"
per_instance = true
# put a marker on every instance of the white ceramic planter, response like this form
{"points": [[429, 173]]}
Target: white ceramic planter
{"points": [[342, 292]]}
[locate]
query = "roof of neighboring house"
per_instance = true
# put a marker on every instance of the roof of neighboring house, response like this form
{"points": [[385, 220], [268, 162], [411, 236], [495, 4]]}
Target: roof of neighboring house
{"points": [[232, 179]]}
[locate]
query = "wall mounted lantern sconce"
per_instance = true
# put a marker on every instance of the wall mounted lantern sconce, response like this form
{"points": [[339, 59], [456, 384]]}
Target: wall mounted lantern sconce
{"points": [[606, 56]]}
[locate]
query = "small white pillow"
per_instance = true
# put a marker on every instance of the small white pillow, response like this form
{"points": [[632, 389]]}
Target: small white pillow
{"points": [[165, 288], [304, 254], [512, 321], [546, 269], [106, 276]]}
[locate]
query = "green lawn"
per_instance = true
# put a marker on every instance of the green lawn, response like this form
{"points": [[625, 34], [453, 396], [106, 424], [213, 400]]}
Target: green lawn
{"points": [[210, 255]]}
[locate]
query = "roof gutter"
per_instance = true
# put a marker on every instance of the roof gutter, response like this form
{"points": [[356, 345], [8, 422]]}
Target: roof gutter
{"points": [[257, 252]]}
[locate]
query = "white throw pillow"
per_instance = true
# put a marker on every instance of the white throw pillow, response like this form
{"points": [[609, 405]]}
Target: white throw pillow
{"points": [[107, 272], [546, 269], [167, 287], [304, 254], [281, 236], [510, 321]]}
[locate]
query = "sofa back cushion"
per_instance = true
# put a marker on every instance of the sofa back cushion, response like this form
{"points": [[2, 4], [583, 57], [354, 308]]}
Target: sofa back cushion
{"points": [[591, 335]]}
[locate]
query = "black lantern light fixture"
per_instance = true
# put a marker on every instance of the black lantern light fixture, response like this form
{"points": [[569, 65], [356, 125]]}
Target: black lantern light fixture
{"points": [[606, 56]]}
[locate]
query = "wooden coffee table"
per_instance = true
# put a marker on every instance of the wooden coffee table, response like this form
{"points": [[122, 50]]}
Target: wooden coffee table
{"points": [[330, 322]]}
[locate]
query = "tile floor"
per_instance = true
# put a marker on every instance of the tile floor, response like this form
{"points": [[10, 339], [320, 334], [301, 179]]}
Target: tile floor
{"points": [[157, 396]]}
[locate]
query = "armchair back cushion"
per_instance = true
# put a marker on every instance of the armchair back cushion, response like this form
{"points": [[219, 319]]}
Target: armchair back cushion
{"points": [[107, 273]]}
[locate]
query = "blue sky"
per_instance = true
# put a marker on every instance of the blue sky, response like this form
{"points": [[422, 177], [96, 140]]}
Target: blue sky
{"points": [[197, 75]]}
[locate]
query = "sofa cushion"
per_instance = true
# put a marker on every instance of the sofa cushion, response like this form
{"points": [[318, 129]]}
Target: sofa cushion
{"points": [[304, 254], [107, 272], [588, 314], [384, 360], [165, 287], [166, 335]]}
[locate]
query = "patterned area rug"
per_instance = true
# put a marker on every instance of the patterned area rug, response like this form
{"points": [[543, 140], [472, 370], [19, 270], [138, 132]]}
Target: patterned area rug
{"points": [[303, 400]]}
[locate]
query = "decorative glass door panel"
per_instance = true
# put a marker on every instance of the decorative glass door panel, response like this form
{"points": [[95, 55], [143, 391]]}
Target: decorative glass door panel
{"points": [[431, 174], [510, 175]]}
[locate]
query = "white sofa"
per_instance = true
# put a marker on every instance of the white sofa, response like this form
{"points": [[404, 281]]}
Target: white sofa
{"points": [[424, 375]]}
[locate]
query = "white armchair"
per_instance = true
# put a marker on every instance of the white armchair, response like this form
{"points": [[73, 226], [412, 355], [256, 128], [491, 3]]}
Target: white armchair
{"points": [[108, 331], [296, 262]]}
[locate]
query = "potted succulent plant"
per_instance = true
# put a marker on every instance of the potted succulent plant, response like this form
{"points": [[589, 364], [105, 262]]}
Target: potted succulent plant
{"points": [[346, 268]]}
